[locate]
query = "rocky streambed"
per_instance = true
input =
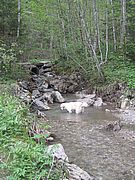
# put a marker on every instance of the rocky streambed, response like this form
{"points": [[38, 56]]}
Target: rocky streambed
{"points": [[99, 140]]}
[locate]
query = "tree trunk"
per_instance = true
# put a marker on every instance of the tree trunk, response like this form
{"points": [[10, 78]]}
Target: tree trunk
{"points": [[113, 27], [19, 18], [123, 23]]}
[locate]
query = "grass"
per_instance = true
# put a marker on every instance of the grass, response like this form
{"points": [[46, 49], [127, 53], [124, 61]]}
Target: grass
{"points": [[21, 157]]}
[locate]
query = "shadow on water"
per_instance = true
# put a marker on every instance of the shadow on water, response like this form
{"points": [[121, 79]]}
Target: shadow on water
{"points": [[104, 154]]}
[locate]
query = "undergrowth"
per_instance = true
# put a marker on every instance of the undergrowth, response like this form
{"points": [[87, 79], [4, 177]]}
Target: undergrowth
{"points": [[118, 69], [22, 158]]}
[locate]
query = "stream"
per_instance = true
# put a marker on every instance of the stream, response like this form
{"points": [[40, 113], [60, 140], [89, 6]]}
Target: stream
{"points": [[105, 154]]}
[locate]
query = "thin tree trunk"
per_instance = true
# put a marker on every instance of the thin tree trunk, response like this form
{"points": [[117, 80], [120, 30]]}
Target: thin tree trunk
{"points": [[90, 46], [19, 18], [97, 31], [113, 26], [123, 22]]}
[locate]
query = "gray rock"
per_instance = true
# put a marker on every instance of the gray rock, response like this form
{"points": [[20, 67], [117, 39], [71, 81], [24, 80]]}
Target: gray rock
{"points": [[40, 105], [89, 101], [42, 71], [25, 96], [59, 85], [124, 103], [50, 139], [58, 97], [98, 102], [49, 74], [35, 93], [48, 96], [76, 173], [58, 152]]}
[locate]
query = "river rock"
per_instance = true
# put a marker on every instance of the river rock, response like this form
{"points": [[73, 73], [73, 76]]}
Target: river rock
{"points": [[35, 93], [58, 97], [49, 75], [124, 103], [40, 105], [88, 100], [76, 173], [58, 152], [48, 96], [98, 102], [59, 85]]}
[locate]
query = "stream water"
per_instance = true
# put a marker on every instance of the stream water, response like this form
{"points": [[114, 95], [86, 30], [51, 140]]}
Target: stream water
{"points": [[105, 154]]}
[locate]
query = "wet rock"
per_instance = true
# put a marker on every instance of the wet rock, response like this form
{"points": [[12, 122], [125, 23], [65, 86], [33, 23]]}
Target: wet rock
{"points": [[76, 173], [115, 126], [98, 102], [58, 97], [58, 152], [40, 105]]}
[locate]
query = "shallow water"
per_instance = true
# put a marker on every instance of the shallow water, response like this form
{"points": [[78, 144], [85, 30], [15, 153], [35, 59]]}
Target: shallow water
{"points": [[105, 154]]}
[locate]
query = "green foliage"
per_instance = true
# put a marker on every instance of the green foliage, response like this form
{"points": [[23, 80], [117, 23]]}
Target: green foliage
{"points": [[8, 17], [8, 57], [118, 69], [9, 66], [24, 158]]}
